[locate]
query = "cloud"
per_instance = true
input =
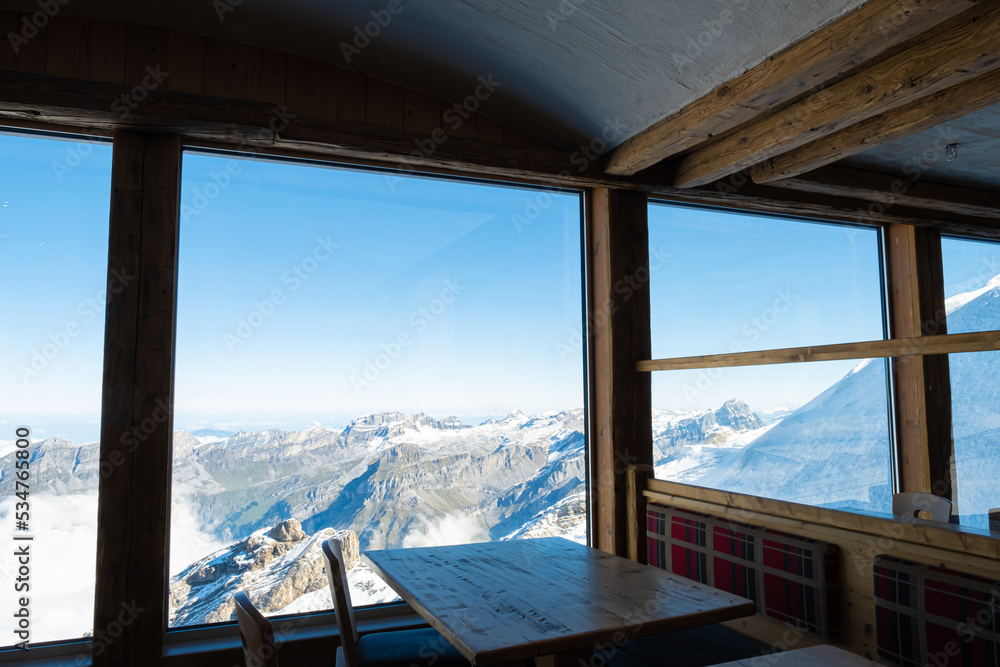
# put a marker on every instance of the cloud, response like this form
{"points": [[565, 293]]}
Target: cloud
{"points": [[453, 528]]}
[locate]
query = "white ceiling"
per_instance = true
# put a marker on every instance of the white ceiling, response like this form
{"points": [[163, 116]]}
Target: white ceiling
{"points": [[566, 67]]}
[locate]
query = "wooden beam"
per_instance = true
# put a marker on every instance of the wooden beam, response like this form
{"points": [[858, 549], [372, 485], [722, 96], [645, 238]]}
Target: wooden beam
{"points": [[133, 517], [969, 47], [979, 341], [942, 107], [872, 29], [928, 538], [922, 383], [619, 251], [892, 190]]}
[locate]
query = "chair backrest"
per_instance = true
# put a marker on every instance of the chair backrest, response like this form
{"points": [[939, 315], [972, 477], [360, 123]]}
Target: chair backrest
{"points": [[912, 505], [256, 634], [336, 573]]}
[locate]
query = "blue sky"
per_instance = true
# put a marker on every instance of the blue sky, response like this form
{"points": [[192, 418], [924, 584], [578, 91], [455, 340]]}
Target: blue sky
{"points": [[363, 292], [54, 205], [736, 282], [312, 295]]}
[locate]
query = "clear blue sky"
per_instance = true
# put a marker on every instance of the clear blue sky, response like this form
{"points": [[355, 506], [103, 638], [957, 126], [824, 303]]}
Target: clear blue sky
{"points": [[54, 204], [735, 282], [968, 264], [409, 294], [360, 259]]}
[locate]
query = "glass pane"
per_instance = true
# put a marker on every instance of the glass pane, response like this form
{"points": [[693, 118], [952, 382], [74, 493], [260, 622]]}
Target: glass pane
{"points": [[398, 361], [727, 282], [813, 433], [972, 289], [54, 208]]}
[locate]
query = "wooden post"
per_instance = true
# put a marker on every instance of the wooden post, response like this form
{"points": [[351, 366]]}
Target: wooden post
{"points": [[922, 383], [619, 318], [133, 517]]}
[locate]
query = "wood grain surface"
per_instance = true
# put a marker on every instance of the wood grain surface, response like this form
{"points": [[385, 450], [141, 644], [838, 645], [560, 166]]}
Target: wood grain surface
{"points": [[501, 602]]}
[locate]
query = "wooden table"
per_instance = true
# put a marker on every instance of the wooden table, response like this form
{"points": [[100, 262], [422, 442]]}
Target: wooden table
{"points": [[506, 602]]}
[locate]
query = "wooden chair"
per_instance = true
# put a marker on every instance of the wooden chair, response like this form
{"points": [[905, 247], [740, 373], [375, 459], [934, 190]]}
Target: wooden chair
{"points": [[256, 634], [921, 506], [402, 648]]}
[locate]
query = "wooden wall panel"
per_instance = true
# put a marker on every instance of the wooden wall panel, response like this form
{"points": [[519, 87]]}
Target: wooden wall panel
{"points": [[384, 103], [104, 50], [307, 86], [225, 69], [63, 48], [421, 113], [266, 72], [146, 47], [31, 55], [348, 95], [186, 61]]}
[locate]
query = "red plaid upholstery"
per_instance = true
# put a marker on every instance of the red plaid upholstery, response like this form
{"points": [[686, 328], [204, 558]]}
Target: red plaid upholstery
{"points": [[792, 579], [932, 616]]}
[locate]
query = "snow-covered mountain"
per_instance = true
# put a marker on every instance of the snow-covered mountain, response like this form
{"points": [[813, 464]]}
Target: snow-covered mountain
{"points": [[835, 450]]}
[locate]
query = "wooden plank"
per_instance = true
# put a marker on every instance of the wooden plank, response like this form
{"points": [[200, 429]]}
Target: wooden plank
{"points": [[384, 104], [519, 599], [922, 384], [104, 50], [636, 477], [225, 69], [186, 58], [348, 94], [872, 29], [96, 105], [895, 190], [964, 547], [63, 55], [489, 130], [133, 517], [422, 113], [970, 46], [619, 254], [898, 347], [266, 75], [32, 54], [823, 655], [146, 50], [307, 86], [944, 106]]}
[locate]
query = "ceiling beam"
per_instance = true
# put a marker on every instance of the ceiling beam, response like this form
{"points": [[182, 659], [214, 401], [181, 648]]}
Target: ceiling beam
{"points": [[890, 190], [874, 28], [969, 47], [973, 95]]}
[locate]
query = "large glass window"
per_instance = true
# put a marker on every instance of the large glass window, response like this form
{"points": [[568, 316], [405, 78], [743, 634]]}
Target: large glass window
{"points": [[398, 361], [54, 207], [723, 282], [972, 292]]}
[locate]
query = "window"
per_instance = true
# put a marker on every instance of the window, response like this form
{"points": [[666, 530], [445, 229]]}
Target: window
{"points": [[814, 432], [53, 269], [972, 292], [398, 361]]}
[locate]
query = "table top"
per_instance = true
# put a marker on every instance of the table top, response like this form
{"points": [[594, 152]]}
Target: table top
{"points": [[518, 599]]}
